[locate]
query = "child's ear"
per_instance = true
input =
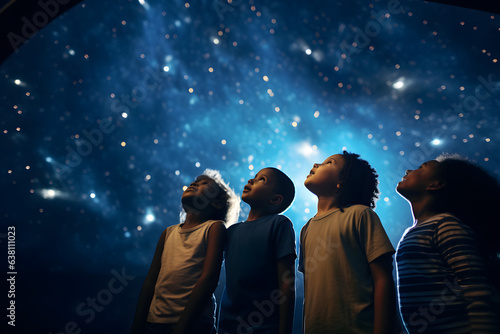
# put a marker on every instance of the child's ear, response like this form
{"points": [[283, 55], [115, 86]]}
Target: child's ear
{"points": [[276, 200], [435, 185]]}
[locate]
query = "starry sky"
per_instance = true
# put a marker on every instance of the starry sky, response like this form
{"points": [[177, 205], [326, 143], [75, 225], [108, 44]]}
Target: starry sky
{"points": [[112, 108]]}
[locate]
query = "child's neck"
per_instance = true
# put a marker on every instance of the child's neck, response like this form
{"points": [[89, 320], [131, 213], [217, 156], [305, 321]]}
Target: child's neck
{"points": [[422, 209], [326, 204], [194, 218]]}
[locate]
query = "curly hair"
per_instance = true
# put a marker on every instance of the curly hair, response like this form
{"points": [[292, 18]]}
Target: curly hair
{"points": [[472, 195], [359, 182], [469, 190]]}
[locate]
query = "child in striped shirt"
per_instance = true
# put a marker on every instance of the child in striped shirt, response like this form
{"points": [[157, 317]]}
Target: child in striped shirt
{"points": [[446, 261]]}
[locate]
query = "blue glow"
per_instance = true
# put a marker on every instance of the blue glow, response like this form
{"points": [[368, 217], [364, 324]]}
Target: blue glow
{"points": [[149, 218]]}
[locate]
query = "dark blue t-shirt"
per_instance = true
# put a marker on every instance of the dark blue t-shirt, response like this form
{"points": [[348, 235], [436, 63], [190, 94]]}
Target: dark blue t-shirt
{"points": [[251, 299]]}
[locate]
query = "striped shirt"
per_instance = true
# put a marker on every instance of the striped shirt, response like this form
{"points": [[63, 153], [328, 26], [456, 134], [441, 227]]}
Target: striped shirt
{"points": [[442, 284]]}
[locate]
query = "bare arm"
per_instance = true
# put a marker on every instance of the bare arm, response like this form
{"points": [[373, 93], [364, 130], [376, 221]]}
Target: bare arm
{"points": [[384, 294], [286, 277], [148, 288], [207, 283]]}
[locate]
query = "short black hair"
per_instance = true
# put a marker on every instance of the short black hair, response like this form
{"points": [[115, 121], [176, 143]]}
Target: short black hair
{"points": [[359, 182], [284, 187]]}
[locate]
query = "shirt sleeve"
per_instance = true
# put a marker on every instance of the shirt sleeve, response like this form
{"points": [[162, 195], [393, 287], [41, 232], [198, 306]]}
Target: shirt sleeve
{"points": [[456, 243], [285, 238], [373, 238], [301, 266]]}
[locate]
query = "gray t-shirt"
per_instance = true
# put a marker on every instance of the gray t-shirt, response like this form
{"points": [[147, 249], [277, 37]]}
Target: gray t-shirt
{"points": [[336, 249]]}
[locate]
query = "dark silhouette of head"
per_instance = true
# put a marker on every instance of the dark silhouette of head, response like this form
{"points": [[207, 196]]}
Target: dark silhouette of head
{"points": [[284, 187]]}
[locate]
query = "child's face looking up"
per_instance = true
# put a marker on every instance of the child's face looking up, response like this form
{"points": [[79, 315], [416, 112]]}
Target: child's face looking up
{"points": [[260, 189], [201, 192], [324, 178], [416, 181]]}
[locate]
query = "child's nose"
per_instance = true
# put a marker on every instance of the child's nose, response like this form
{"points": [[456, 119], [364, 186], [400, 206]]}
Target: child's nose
{"points": [[408, 171], [315, 166], [250, 181]]}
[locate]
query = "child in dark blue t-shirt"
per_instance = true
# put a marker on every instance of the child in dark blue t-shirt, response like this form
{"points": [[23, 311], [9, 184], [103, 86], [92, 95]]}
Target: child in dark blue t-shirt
{"points": [[260, 261]]}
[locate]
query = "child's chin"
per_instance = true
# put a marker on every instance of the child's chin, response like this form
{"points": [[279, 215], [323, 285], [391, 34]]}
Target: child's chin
{"points": [[187, 198], [400, 190], [244, 198], [309, 186]]}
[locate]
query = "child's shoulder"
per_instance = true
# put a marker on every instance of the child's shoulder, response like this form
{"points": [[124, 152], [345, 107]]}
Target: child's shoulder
{"points": [[262, 222], [359, 213], [212, 222], [441, 219], [445, 222], [280, 216], [171, 228], [277, 218], [359, 209], [440, 224], [268, 218], [166, 232]]}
